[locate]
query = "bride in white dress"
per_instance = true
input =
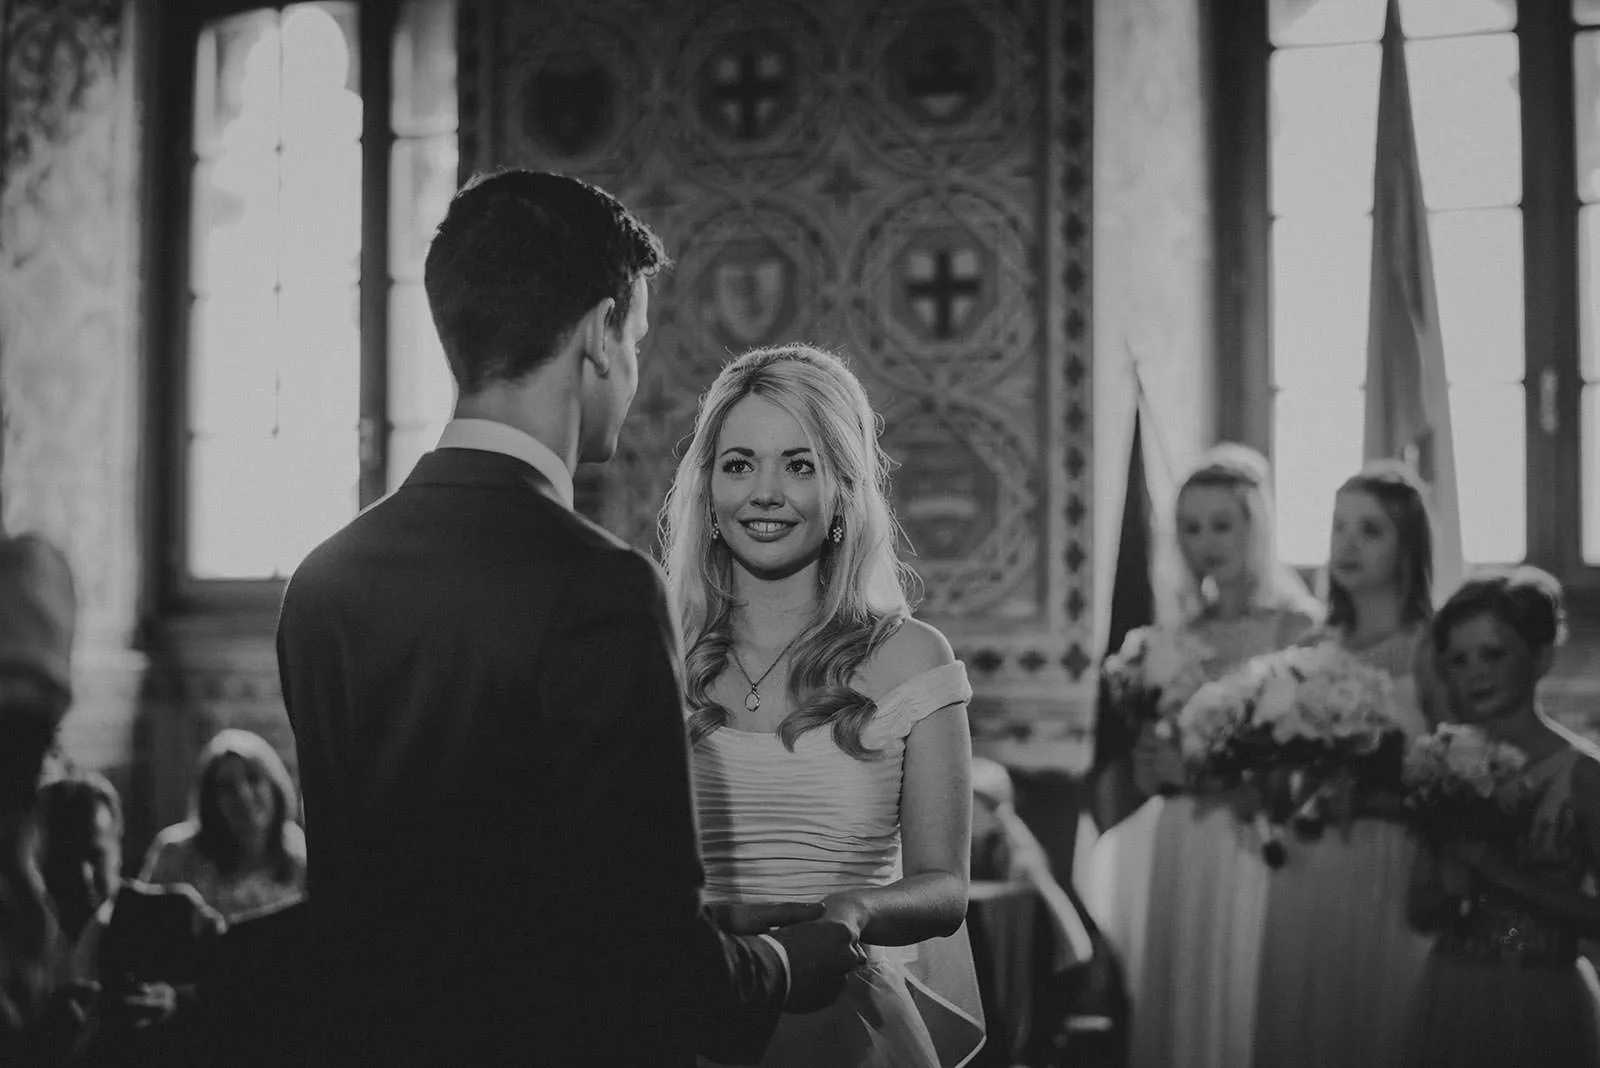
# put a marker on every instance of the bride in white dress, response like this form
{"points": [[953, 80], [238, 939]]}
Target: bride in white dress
{"points": [[831, 754]]}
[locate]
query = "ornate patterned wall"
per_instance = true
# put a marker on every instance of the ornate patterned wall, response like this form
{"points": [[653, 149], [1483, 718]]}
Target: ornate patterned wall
{"points": [[905, 181], [69, 358]]}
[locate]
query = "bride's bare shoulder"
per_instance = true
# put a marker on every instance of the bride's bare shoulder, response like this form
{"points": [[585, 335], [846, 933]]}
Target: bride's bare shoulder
{"points": [[914, 647]]}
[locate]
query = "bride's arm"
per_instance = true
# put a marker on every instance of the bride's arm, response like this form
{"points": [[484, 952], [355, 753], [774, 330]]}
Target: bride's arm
{"points": [[936, 832]]}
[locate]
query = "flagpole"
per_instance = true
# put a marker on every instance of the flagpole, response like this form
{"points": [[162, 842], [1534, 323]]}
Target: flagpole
{"points": [[1146, 404]]}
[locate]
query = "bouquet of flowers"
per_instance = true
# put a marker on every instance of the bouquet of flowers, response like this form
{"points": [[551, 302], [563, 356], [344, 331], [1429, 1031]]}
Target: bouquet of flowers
{"points": [[1155, 673], [1460, 782], [1298, 735]]}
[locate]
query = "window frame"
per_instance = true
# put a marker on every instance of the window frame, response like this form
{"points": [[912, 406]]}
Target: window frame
{"points": [[169, 84], [1239, 54]]}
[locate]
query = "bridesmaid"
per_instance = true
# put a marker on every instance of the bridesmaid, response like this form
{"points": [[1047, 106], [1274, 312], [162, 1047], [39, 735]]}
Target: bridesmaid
{"points": [[1176, 887], [1505, 986], [1338, 959]]}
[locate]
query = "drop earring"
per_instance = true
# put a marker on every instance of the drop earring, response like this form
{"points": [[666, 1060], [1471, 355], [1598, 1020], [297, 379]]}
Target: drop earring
{"points": [[716, 531], [836, 531]]}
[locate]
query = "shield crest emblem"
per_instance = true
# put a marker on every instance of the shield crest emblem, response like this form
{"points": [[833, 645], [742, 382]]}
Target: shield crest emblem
{"points": [[749, 295], [568, 108]]}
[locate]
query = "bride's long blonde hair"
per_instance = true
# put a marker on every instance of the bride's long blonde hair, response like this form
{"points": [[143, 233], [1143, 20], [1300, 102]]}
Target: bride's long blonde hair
{"points": [[863, 587]]}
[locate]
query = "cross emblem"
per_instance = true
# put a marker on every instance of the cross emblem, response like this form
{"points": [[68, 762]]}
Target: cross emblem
{"points": [[942, 286], [747, 89]]}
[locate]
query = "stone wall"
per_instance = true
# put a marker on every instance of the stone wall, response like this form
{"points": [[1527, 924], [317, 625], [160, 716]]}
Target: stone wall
{"points": [[69, 337]]}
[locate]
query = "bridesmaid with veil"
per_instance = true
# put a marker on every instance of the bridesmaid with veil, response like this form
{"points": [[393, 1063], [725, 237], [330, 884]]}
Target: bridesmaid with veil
{"points": [[1339, 961], [828, 727], [1179, 888]]}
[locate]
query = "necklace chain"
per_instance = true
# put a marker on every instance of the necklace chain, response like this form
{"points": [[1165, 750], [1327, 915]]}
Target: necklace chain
{"points": [[752, 700]]}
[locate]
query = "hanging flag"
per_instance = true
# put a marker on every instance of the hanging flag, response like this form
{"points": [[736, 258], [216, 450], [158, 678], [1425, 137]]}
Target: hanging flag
{"points": [[1408, 392], [1132, 605]]}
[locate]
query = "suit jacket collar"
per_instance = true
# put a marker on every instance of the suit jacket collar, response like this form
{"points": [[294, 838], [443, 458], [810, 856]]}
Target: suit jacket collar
{"points": [[478, 467], [489, 435]]}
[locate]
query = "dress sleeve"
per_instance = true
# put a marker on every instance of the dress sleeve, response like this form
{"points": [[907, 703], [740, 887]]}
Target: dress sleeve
{"points": [[916, 699]]}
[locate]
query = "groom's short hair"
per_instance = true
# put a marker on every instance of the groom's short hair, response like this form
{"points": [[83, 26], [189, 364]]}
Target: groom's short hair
{"points": [[518, 260]]}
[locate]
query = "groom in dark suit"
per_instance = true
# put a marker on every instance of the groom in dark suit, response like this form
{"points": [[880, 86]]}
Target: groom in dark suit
{"points": [[485, 692]]}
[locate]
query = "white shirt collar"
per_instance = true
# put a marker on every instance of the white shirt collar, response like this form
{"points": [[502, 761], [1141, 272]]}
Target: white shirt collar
{"points": [[490, 436]]}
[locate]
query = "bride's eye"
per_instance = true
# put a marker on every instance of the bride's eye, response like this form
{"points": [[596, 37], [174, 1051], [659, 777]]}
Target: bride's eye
{"points": [[735, 466], [802, 467]]}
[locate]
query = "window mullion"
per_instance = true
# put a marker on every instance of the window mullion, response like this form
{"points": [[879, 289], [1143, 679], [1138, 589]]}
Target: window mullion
{"points": [[1550, 264], [377, 137]]}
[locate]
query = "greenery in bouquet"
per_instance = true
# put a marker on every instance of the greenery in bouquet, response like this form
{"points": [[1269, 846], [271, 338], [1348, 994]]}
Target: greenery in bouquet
{"points": [[1460, 783], [1155, 673], [1299, 738]]}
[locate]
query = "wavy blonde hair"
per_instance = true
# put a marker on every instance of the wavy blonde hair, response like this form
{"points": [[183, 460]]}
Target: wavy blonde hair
{"points": [[863, 587]]}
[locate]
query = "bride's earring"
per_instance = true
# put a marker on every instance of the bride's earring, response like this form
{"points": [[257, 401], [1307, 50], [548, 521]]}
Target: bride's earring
{"points": [[836, 531], [716, 531]]}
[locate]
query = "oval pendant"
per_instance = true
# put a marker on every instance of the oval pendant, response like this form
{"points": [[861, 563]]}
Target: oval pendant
{"points": [[752, 700]]}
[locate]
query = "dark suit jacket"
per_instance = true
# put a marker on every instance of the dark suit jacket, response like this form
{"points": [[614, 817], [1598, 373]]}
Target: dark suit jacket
{"points": [[503, 865]]}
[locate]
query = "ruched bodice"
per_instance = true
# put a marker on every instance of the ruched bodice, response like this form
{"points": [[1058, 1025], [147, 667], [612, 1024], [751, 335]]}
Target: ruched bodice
{"points": [[776, 825]]}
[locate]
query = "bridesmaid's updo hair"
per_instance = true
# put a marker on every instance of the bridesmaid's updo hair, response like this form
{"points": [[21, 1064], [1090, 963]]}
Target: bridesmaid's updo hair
{"points": [[1526, 599], [1399, 493]]}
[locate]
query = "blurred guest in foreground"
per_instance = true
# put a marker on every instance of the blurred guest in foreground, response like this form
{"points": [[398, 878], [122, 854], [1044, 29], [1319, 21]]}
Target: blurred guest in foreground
{"points": [[38, 610]]}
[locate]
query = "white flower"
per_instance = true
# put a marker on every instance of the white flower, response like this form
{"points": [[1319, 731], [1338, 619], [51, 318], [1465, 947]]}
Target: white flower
{"points": [[1277, 700], [1459, 758], [1213, 713]]}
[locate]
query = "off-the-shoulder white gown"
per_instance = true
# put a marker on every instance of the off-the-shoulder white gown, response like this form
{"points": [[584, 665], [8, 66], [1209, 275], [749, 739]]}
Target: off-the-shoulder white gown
{"points": [[777, 825]]}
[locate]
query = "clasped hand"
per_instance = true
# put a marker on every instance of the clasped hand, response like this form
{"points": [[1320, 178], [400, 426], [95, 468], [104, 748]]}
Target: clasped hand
{"points": [[821, 949]]}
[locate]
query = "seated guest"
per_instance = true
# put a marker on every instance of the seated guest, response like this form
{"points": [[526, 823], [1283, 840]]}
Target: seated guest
{"points": [[140, 946], [37, 615], [240, 848], [1004, 849]]}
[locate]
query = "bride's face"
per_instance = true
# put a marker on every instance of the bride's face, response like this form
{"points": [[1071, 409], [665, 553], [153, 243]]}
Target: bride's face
{"points": [[765, 491]]}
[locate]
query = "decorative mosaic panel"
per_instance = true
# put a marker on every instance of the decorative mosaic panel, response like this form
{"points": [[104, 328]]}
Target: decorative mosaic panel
{"points": [[905, 181]]}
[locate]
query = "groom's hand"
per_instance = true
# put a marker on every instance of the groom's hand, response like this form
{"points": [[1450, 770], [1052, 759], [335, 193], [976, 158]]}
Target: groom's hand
{"points": [[821, 953], [759, 919]]}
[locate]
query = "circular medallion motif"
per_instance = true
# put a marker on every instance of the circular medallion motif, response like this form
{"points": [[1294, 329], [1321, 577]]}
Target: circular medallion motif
{"points": [[943, 85], [966, 497], [576, 94], [759, 110], [941, 288], [752, 276]]}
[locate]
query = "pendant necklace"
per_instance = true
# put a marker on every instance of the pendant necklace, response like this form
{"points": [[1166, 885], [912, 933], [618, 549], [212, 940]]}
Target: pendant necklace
{"points": [[752, 700]]}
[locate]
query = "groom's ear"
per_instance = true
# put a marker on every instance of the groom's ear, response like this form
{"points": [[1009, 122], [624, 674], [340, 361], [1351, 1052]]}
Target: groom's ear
{"points": [[592, 332]]}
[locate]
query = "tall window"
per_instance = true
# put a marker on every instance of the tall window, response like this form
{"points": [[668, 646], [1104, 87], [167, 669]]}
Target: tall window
{"points": [[322, 154], [1506, 106]]}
